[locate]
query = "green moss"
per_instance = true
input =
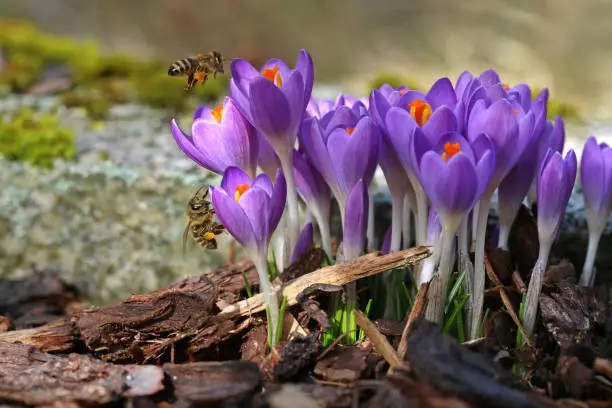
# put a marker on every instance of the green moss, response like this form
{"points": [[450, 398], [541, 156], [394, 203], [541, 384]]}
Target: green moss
{"points": [[559, 108], [394, 80], [93, 101], [98, 80], [36, 140]]}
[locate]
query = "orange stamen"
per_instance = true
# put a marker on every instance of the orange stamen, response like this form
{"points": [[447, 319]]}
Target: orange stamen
{"points": [[506, 87], [450, 150], [420, 111], [273, 76], [240, 190], [350, 130], [218, 113], [516, 111], [209, 236], [402, 91]]}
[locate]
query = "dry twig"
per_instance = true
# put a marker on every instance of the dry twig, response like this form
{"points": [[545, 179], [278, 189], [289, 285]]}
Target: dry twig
{"points": [[341, 274], [418, 310], [504, 297], [378, 339]]}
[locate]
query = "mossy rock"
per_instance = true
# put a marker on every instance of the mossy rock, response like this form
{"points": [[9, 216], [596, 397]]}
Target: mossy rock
{"points": [[37, 140], [98, 80]]}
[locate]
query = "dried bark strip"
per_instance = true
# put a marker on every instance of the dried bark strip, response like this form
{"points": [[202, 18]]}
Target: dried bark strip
{"points": [[54, 337], [358, 268], [31, 377], [213, 383], [443, 363]]}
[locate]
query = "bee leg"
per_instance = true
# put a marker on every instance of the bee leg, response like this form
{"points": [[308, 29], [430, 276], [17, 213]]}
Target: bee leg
{"points": [[190, 82]]}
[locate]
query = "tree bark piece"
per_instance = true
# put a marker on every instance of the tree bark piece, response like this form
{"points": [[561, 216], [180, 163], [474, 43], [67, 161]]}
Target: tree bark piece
{"points": [[29, 376], [213, 383]]}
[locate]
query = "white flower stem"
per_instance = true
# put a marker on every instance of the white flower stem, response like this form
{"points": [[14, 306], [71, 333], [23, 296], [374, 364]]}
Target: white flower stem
{"points": [[292, 224], [588, 271], [439, 284], [406, 223], [397, 212], [259, 257], [479, 266], [507, 213], [474, 226], [530, 308], [465, 263], [324, 230], [422, 215], [371, 244]]}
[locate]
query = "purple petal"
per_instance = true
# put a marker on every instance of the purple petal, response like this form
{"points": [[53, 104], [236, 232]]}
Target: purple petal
{"points": [[203, 112], [442, 121], [524, 95], [256, 205], [305, 66], [442, 93], [263, 182], [293, 89], [311, 140], [270, 109], [392, 168], [489, 78], [233, 217], [451, 186], [463, 82], [496, 92], [232, 178], [308, 181], [385, 247], [343, 117], [418, 145], [556, 139], [185, 143], [379, 106], [551, 185], [242, 74], [355, 221], [400, 128], [209, 139], [304, 242]]}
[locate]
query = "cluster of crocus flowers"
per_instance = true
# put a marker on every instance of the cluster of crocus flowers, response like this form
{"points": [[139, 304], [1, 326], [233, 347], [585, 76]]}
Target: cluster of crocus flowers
{"points": [[443, 154]]}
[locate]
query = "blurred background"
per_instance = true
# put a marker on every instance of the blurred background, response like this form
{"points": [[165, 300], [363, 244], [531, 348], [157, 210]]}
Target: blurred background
{"points": [[95, 185]]}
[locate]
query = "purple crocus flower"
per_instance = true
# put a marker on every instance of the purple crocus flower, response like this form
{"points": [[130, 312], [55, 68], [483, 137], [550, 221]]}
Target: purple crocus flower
{"points": [[553, 138], [515, 185], [454, 175], [305, 241], [316, 194], [220, 138], [251, 210], [556, 179], [596, 176], [510, 135], [274, 100], [344, 156]]}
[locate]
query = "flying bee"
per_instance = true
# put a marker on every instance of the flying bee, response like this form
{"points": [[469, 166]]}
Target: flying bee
{"points": [[200, 221], [197, 68]]}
